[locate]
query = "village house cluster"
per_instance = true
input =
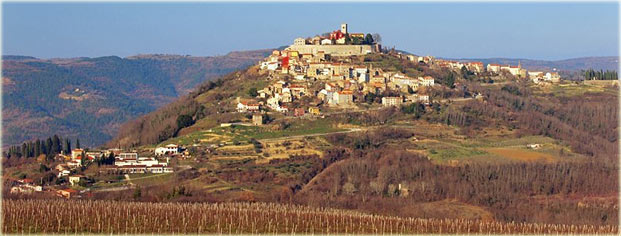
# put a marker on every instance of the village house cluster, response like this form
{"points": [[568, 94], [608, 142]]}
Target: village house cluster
{"points": [[317, 60], [75, 160], [124, 163], [478, 67], [131, 163]]}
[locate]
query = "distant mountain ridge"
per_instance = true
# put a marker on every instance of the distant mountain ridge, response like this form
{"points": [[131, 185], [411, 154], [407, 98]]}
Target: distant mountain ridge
{"points": [[90, 98]]}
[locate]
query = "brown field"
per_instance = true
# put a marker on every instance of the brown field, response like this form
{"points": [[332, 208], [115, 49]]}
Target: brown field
{"points": [[106, 217], [521, 154]]}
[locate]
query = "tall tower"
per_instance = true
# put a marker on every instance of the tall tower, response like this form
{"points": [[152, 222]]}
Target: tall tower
{"points": [[344, 28]]}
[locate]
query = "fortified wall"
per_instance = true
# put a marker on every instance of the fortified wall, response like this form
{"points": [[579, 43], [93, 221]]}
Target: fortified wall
{"points": [[333, 50]]}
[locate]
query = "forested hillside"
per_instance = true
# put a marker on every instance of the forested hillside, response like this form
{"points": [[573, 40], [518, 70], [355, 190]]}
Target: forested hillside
{"points": [[88, 98]]}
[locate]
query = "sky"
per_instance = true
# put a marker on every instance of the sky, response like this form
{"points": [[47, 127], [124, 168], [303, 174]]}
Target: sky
{"points": [[547, 31]]}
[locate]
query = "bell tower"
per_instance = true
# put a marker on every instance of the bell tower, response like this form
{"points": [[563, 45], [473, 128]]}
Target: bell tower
{"points": [[344, 28]]}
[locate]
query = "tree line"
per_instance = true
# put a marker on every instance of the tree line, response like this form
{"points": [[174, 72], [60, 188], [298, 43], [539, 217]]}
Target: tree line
{"points": [[591, 74], [49, 147]]}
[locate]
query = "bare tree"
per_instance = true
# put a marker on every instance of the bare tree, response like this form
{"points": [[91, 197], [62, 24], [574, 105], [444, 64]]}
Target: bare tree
{"points": [[377, 38]]}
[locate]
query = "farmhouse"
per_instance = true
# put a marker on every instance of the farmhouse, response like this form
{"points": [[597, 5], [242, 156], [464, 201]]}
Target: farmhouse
{"points": [[68, 193], [251, 106], [170, 149], [75, 179], [552, 77]]}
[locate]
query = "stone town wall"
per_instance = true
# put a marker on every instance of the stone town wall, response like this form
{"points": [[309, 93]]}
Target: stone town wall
{"points": [[334, 50]]}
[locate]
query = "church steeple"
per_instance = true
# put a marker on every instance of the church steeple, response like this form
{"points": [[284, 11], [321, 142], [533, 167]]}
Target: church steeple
{"points": [[519, 64]]}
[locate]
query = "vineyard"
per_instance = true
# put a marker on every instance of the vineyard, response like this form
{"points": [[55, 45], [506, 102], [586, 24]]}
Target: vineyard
{"points": [[108, 217]]}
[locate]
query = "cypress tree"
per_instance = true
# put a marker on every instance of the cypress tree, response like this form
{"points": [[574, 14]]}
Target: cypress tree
{"points": [[48, 146], [56, 145], [77, 143], [24, 150], [37, 149]]}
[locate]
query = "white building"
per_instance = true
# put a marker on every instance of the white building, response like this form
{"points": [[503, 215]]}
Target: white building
{"points": [[299, 41], [142, 161], [343, 97], [392, 101], [128, 155], [493, 68], [426, 81], [552, 77], [75, 179], [170, 149]]}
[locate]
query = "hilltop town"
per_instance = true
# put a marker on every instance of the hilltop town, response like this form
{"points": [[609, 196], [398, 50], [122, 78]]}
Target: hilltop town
{"points": [[325, 70], [313, 78]]}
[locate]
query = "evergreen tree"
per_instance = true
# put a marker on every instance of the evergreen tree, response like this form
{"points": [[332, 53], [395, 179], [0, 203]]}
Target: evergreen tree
{"points": [[67, 146], [24, 150], [56, 145], [83, 159], [368, 39], [48, 146], [110, 159], [37, 149], [77, 143]]}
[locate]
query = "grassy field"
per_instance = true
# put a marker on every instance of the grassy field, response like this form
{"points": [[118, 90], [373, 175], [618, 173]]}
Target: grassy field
{"points": [[151, 179], [242, 134], [444, 145], [571, 89], [298, 127]]}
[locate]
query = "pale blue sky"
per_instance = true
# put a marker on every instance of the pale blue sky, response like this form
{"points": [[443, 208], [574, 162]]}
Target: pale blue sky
{"points": [[458, 30]]}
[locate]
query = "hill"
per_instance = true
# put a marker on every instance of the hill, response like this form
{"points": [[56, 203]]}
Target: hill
{"points": [[487, 146], [88, 98]]}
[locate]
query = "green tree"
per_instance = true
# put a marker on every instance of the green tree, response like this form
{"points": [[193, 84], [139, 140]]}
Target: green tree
{"points": [[368, 39], [37, 148], [56, 144], [417, 109], [48, 145], [67, 146], [253, 92], [449, 80], [370, 98], [410, 90], [77, 143], [83, 159], [184, 121]]}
